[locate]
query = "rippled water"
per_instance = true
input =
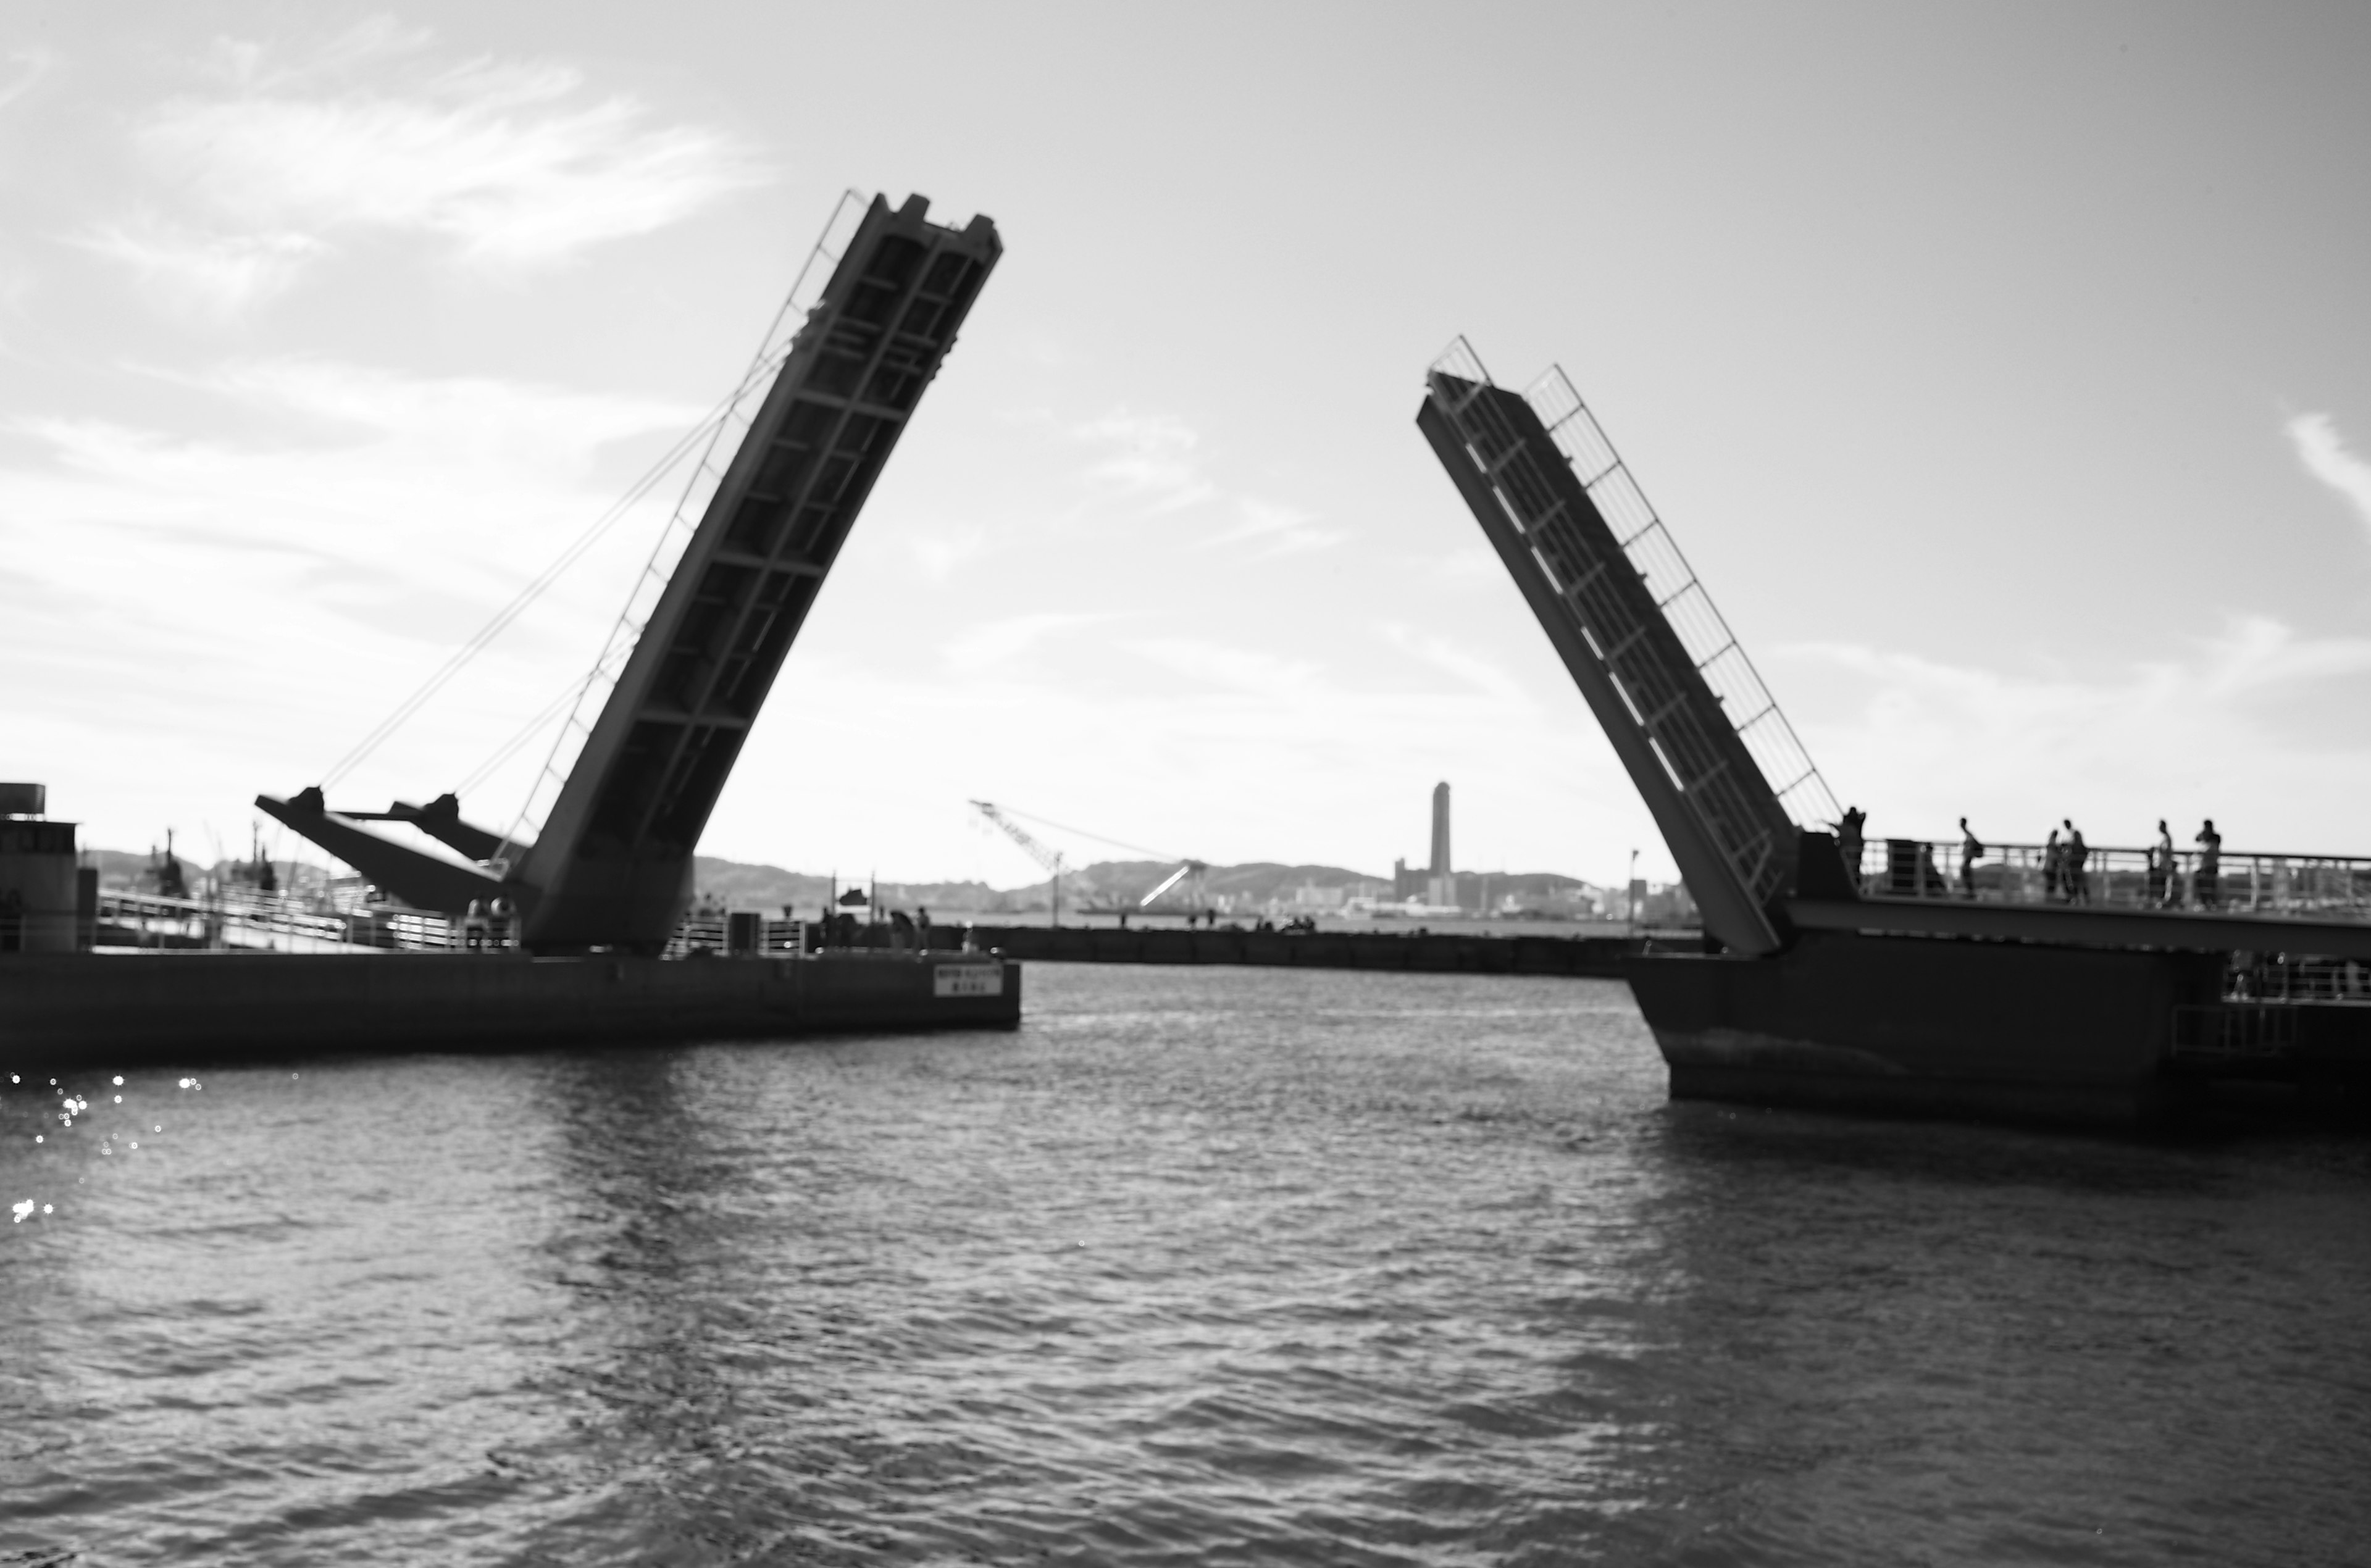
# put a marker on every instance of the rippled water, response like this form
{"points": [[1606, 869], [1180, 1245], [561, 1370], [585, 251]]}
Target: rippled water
{"points": [[1201, 1266]]}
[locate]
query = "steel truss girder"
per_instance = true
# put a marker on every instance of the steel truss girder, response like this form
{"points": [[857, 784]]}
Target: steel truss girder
{"points": [[613, 863], [1732, 839]]}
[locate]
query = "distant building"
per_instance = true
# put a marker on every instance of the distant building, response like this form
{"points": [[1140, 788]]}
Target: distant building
{"points": [[1442, 864], [1437, 884], [1670, 905]]}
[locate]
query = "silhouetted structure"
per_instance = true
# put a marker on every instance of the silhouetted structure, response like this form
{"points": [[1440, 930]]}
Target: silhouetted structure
{"points": [[1723, 820], [1441, 884], [1834, 989], [612, 866]]}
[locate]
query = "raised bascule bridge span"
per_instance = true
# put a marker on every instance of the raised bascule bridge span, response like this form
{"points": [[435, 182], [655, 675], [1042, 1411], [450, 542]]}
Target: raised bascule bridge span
{"points": [[596, 870], [601, 858], [1904, 980]]}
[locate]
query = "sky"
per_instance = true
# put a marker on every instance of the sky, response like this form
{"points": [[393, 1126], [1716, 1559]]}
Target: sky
{"points": [[2005, 372]]}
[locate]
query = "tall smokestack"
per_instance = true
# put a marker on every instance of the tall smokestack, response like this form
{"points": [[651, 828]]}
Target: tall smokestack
{"points": [[1440, 863]]}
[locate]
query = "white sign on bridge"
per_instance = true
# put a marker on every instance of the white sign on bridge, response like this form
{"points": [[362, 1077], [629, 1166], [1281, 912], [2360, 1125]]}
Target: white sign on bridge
{"points": [[969, 980]]}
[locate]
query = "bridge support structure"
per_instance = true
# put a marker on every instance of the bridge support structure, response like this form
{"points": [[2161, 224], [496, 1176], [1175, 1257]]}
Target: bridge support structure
{"points": [[611, 866], [1671, 687]]}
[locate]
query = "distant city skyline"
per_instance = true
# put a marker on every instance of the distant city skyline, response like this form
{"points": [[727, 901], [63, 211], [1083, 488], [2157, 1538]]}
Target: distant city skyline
{"points": [[2004, 376]]}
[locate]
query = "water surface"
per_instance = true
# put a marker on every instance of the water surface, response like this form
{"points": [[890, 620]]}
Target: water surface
{"points": [[1200, 1266]]}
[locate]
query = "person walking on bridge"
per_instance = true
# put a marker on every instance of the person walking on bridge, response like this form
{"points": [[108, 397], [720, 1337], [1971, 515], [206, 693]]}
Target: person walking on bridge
{"points": [[2078, 887], [1971, 849], [2054, 862]]}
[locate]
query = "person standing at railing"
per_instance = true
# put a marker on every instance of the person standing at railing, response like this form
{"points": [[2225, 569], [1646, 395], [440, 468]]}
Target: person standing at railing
{"points": [[1971, 849], [2209, 891], [1848, 842], [2053, 864], [2164, 891]]}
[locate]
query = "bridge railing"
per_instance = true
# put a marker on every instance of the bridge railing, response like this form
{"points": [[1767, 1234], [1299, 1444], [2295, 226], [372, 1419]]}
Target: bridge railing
{"points": [[249, 918], [2318, 887], [712, 931]]}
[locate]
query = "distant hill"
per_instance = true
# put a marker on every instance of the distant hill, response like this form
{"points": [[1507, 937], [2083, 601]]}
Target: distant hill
{"points": [[739, 884], [134, 870], [122, 868]]}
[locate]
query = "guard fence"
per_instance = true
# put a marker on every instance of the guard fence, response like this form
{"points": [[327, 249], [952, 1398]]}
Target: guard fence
{"points": [[2317, 887], [246, 918]]}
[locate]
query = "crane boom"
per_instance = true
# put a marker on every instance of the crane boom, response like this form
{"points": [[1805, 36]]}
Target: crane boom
{"points": [[1049, 859], [1052, 858], [1171, 880], [1194, 868]]}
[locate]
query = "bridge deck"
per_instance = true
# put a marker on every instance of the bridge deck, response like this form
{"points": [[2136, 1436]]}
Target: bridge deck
{"points": [[2087, 925]]}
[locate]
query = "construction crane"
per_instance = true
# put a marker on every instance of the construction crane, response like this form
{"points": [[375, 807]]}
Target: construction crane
{"points": [[1194, 868], [1049, 859], [1052, 858]]}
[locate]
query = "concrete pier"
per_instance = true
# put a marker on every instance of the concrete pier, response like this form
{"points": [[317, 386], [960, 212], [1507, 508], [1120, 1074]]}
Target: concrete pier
{"points": [[69, 1010]]}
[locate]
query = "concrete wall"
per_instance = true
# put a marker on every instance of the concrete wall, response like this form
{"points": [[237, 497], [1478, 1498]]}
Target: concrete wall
{"points": [[83, 1010], [38, 902]]}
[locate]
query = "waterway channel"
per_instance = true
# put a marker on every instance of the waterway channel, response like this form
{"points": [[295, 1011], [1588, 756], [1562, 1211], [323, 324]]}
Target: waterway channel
{"points": [[1199, 1266]]}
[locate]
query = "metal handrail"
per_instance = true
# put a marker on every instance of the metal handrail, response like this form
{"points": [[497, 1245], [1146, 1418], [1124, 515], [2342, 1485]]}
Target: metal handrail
{"points": [[1686, 603], [2245, 883], [347, 918], [343, 917]]}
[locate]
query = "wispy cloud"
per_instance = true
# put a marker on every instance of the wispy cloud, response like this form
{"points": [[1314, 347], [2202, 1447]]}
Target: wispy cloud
{"points": [[1275, 529], [2254, 712], [253, 64], [1152, 461], [1468, 563], [1236, 668], [1146, 457], [373, 513], [1464, 663], [507, 166], [2327, 458], [26, 67], [495, 159], [1001, 642], [480, 421], [940, 552], [186, 271]]}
